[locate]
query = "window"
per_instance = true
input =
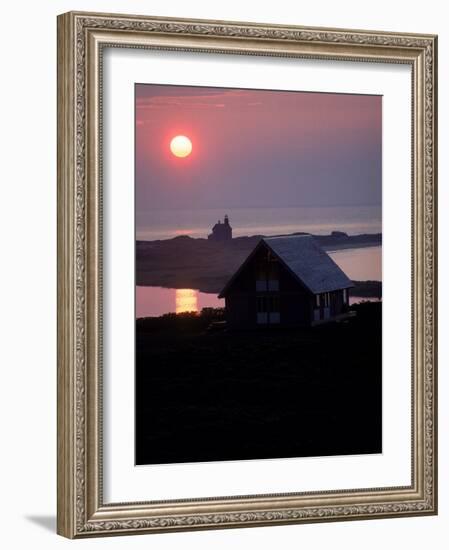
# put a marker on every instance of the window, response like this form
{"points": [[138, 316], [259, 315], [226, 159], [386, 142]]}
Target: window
{"points": [[274, 310], [323, 300], [273, 285], [345, 295], [261, 304], [268, 309]]}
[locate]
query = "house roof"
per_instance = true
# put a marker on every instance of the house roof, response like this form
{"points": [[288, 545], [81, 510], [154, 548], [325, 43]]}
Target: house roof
{"points": [[306, 260]]}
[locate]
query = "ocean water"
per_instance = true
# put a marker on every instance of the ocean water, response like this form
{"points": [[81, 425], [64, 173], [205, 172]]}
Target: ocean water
{"points": [[359, 264], [166, 224]]}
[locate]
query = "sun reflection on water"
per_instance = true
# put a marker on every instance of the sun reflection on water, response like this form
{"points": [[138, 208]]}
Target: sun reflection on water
{"points": [[186, 300]]}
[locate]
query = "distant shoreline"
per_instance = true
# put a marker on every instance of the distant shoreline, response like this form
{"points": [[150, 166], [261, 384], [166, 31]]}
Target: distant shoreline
{"points": [[337, 239], [205, 265]]}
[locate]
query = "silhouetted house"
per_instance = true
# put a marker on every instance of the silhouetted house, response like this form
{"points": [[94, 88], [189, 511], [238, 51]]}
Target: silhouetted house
{"points": [[221, 231], [286, 281]]}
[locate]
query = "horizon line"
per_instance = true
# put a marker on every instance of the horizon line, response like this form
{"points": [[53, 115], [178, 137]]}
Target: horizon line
{"points": [[259, 207]]}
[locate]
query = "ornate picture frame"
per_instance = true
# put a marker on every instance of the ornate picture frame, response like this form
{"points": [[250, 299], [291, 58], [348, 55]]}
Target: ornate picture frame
{"points": [[82, 510]]}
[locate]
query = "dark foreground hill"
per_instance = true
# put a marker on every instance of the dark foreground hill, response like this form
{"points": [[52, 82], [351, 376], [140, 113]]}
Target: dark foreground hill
{"points": [[206, 395]]}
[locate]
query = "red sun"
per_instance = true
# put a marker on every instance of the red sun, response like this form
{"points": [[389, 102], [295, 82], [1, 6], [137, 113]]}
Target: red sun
{"points": [[181, 146]]}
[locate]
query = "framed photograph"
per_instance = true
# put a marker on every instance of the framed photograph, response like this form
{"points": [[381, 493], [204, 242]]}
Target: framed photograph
{"points": [[246, 274]]}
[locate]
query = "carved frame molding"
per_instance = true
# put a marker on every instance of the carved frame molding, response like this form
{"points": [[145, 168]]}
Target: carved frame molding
{"points": [[81, 39]]}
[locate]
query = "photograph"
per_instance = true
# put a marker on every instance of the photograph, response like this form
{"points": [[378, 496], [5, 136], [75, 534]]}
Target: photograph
{"points": [[258, 274]]}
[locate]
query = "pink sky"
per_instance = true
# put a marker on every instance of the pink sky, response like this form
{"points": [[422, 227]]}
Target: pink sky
{"points": [[257, 148]]}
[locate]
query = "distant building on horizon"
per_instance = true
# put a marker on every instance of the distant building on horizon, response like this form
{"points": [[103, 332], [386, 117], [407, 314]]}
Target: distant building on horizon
{"points": [[221, 231], [289, 281]]}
